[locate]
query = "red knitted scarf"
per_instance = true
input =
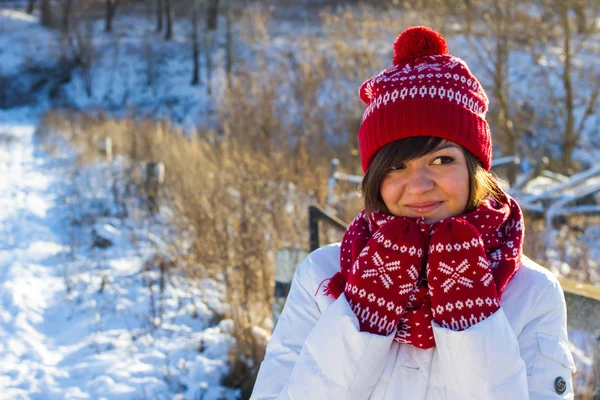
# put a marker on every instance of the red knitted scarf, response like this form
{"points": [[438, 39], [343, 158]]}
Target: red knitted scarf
{"points": [[499, 224]]}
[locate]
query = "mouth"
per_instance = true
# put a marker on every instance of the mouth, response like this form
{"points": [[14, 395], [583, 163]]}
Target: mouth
{"points": [[424, 207]]}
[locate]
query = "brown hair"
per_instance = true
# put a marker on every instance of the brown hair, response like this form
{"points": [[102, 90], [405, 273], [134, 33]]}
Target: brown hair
{"points": [[481, 183]]}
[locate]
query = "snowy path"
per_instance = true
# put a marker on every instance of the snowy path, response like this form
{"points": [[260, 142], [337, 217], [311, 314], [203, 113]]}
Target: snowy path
{"points": [[31, 245], [93, 341]]}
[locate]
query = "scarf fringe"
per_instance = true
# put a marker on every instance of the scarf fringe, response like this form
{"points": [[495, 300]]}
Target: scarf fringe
{"points": [[335, 286]]}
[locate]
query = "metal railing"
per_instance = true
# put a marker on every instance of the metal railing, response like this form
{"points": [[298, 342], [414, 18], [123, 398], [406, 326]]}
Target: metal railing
{"points": [[316, 215]]}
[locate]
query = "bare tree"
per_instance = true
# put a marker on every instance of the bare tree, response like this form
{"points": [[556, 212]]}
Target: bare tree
{"points": [[111, 9], [571, 88], [195, 44], [572, 133], [468, 12], [46, 13], [211, 14], [585, 12], [67, 12], [569, 136], [159, 15], [209, 39], [208, 44], [169, 17], [495, 58], [229, 43], [30, 6]]}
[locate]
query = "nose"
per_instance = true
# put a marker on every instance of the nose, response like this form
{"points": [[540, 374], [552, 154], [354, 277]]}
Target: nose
{"points": [[419, 181]]}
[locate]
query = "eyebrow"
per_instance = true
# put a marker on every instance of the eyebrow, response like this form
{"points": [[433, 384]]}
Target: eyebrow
{"points": [[445, 145]]}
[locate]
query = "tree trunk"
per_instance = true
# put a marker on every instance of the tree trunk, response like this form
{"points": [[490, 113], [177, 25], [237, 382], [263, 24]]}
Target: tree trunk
{"points": [[229, 43], [579, 10], [468, 15], [66, 16], [569, 137], [159, 15], [508, 143], [169, 17], [195, 44], [212, 14], [46, 13], [208, 40], [111, 9], [30, 6]]}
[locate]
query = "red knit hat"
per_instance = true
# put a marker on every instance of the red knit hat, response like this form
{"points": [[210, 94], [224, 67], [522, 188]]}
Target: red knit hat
{"points": [[427, 92]]}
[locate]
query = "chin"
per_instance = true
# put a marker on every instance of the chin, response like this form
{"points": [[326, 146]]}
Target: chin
{"points": [[430, 219], [438, 215], [433, 219]]}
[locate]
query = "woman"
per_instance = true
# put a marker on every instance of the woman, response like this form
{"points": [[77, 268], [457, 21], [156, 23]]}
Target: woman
{"points": [[428, 295]]}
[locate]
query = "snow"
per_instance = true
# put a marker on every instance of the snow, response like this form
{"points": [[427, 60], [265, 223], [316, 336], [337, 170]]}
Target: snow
{"points": [[83, 322], [21, 34], [76, 321]]}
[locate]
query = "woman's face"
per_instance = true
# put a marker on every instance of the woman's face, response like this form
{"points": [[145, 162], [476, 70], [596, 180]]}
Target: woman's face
{"points": [[434, 186]]}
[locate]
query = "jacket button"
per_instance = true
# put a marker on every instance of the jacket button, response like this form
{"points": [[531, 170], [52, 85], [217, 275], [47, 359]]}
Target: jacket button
{"points": [[560, 385]]}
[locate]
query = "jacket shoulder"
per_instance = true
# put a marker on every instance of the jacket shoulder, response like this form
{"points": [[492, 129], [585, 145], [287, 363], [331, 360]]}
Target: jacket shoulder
{"points": [[533, 276], [318, 266], [532, 292]]}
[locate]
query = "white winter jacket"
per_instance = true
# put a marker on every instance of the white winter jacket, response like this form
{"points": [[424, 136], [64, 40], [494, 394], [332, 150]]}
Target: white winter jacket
{"points": [[318, 352]]}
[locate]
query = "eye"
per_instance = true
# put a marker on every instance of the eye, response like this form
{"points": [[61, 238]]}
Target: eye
{"points": [[443, 160], [397, 167]]}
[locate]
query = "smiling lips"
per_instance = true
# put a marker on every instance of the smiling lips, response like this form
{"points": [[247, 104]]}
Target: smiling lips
{"points": [[424, 207]]}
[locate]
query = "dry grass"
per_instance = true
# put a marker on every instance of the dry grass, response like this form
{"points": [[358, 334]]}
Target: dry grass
{"points": [[238, 203], [242, 191]]}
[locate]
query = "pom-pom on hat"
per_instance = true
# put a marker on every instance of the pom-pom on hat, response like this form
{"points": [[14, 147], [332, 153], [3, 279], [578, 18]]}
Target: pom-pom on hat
{"points": [[417, 42], [426, 92]]}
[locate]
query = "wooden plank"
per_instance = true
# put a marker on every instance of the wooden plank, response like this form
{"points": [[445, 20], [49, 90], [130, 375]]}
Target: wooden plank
{"points": [[580, 288], [583, 313], [583, 305]]}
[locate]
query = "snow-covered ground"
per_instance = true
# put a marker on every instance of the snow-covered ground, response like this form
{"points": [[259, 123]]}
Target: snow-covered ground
{"points": [[76, 320]]}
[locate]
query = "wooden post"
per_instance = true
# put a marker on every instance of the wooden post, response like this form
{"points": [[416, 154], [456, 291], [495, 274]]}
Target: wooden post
{"points": [[105, 148], [332, 181], [286, 263], [155, 177], [313, 227]]}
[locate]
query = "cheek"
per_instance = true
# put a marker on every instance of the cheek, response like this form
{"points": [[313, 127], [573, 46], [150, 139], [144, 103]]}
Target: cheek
{"points": [[460, 188], [390, 190], [465, 194]]}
